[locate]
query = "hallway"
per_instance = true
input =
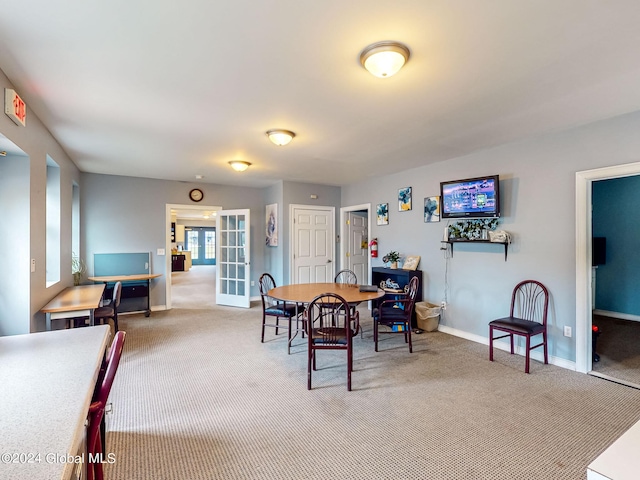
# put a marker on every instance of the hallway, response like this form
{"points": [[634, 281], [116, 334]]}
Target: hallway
{"points": [[194, 289]]}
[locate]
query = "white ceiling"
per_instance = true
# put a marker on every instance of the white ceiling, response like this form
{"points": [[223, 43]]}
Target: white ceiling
{"points": [[159, 89]]}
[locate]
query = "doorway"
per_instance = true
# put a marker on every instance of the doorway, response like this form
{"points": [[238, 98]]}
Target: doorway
{"points": [[196, 285], [355, 225], [584, 276]]}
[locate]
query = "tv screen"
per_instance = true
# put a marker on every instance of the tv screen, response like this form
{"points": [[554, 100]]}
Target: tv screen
{"points": [[471, 198]]}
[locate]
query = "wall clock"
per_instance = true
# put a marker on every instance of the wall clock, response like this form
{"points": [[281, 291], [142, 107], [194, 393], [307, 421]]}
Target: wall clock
{"points": [[196, 195]]}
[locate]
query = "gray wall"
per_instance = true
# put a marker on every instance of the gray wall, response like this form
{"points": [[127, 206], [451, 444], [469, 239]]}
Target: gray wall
{"points": [[36, 142], [127, 214], [538, 199]]}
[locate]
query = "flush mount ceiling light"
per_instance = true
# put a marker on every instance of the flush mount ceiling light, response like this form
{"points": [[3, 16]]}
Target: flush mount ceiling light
{"points": [[384, 59], [280, 137], [239, 165]]}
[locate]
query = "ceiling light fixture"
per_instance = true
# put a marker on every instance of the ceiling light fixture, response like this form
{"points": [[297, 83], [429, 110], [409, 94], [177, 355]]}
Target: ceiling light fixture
{"points": [[239, 165], [384, 59], [280, 137], [3, 154]]}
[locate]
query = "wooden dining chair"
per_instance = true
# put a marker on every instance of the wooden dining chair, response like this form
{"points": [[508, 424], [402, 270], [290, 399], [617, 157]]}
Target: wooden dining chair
{"points": [[349, 277], [396, 314], [95, 430], [527, 318], [330, 326], [278, 309]]}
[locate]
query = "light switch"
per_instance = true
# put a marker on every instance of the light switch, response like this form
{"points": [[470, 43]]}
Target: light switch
{"points": [[33, 265], [160, 251]]}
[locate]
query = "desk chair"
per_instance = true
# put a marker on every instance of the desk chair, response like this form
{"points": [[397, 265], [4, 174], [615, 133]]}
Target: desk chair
{"points": [[527, 318], [396, 314], [272, 307], [111, 309], [329, 327], [95, 430]]}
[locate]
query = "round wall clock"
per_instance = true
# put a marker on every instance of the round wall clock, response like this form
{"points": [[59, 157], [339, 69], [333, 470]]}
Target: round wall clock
{"points": [[196, 195]]}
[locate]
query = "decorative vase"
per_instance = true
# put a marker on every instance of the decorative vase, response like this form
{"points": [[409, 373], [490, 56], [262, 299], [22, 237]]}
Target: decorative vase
{"points": [[394, 265]]}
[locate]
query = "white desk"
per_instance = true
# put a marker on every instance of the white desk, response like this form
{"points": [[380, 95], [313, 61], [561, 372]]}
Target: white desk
{"points": [[46, 384], [620, 461]]}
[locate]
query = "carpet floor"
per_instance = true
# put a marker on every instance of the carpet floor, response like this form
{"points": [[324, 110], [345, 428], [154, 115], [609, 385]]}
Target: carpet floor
{"points": [[197, 396]]}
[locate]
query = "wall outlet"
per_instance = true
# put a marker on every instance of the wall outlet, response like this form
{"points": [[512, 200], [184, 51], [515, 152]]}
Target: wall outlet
{"points": [[443, 305], [253, 283], [567, 331]]}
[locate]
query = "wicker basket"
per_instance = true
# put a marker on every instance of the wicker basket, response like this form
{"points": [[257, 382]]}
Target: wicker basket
{"points": [[427, 316]]}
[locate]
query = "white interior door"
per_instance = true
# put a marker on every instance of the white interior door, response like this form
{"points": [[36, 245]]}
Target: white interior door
{"points": [[233, 258], [357, 260], [313, 244]]}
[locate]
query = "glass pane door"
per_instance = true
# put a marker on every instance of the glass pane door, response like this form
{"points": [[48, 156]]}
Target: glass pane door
{"points": [[232, 279]]}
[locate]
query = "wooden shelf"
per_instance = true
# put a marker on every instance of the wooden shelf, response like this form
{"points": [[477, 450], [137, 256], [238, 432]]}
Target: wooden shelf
{"points": [[451, 241]]}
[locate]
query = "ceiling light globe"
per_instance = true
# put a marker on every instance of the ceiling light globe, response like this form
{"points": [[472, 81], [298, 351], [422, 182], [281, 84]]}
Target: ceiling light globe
{"points": [[280, 137], [239, 165], [384, 59]]}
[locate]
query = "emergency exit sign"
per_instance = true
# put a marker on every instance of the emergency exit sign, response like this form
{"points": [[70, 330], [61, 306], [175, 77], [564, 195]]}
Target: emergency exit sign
{"points": [[15, 107]]}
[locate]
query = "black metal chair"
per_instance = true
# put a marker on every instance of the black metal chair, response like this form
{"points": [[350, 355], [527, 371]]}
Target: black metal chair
{"points": [[527, 318], [330, 326], [396, 314], [110, 310], [272, 307]]}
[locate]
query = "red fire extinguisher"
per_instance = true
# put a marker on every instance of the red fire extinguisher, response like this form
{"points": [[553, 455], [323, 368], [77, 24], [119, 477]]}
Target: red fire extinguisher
{"points": [[374, 248]]}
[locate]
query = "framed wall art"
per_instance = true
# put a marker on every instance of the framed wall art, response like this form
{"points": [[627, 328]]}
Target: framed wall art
{"points": [[382, 214], [431, 209], [272, 225], [404, 199]]}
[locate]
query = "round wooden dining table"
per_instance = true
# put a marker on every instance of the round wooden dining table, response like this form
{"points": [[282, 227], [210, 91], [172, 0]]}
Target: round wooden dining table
{"points": [[306, 292]]}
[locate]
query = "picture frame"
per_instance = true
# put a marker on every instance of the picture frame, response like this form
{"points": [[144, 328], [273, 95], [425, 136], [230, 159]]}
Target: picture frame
{"points": [[272, 225], [411, 262], [404, 199], [382, 214], [432, 209]]}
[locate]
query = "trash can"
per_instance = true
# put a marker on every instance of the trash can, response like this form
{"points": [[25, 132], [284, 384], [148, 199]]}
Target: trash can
{"points": [[427, 316]]}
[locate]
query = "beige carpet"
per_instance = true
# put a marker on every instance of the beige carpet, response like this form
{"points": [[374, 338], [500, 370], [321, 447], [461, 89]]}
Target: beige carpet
{"points": [[195, 288], [198, 396], [619, 348]]}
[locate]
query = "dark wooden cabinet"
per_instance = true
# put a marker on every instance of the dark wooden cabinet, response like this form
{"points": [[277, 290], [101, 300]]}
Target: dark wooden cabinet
{"points": [[402, 278], [177, 263]]}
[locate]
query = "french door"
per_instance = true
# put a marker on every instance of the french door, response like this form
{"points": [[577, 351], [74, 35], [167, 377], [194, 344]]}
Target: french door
{"points": [[201, 242], [233, 258]]}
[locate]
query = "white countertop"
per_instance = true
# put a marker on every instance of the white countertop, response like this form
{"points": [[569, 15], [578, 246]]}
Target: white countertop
{"points": [[621, 460], [46, 383]]}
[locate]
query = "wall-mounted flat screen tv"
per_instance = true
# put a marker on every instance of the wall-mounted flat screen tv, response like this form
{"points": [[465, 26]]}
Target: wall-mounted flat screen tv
{"points": [[471, 198]]}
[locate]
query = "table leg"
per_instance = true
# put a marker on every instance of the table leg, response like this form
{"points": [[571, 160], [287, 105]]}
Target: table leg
{"points": [[48, 320]]}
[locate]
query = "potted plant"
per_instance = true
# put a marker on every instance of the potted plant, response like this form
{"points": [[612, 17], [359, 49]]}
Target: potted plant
{"points": [[78, 268], [392, 257]]}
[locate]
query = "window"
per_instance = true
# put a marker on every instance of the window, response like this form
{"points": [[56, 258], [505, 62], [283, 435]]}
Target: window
{"points": [[53, 222]]}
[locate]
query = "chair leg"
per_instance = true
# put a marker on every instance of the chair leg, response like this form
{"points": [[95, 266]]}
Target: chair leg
{"points": [[544, 340], [511, 338], [408, 325], [289, 339], [491, 344], [264, 319], [349, 364], [309, 360], [115, 321], [526, 368], [375, 334]]}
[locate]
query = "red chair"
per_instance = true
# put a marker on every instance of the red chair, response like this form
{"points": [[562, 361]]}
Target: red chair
{"points": [[330, 326], [95, 433], [396, 314], [527, 318]]}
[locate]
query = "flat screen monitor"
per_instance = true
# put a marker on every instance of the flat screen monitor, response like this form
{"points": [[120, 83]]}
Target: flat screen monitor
{"points": [[471, 198]]}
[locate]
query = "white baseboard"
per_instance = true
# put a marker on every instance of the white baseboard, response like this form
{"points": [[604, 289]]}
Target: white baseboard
{"points": [[622, 316], [501, 345]]}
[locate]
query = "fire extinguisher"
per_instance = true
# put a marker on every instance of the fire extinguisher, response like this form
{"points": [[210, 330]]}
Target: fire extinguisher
{"points": [[374, 248]]}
